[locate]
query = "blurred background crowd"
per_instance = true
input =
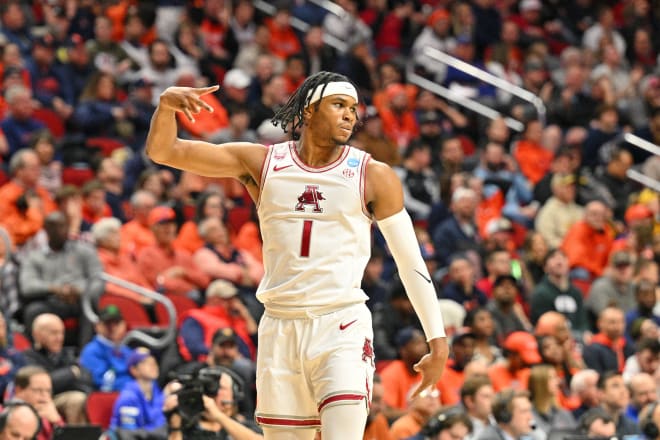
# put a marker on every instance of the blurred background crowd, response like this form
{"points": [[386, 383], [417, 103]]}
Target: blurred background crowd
{"points": [[539, 218]]}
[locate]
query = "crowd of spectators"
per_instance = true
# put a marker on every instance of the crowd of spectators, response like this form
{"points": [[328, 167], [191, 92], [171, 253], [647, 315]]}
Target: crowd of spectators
{"points": [[544, 250]]}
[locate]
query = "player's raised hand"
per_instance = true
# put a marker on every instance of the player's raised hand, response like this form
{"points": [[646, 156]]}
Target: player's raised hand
{"points": [[431, 365], [187, 100]]}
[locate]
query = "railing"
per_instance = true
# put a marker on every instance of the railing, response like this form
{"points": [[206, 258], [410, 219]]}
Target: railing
{"points": [[302, 26], [468, 103], [651, 148], [155, 343], [6, 241], [489, 78]]}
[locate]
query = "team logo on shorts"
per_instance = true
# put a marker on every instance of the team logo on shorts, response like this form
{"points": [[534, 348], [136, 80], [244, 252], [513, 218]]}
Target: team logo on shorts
{"points": [[368, 351], [311, 196]]}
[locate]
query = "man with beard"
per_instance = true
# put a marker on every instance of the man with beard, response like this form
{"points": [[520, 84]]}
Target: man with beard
{"points": [[508, 316], [55, 279]]}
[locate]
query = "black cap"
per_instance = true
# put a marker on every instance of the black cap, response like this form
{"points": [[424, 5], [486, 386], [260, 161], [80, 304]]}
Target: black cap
{"points": [[503, 278], [110, 313], [225, 334]]}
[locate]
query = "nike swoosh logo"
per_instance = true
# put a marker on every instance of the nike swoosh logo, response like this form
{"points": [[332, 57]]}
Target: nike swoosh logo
{"points": [[278, 168], [345, 326], [428, 280]]}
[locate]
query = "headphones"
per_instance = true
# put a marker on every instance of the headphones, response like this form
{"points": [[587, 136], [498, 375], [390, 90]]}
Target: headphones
{"points": [[237, 382], [9, 409], [501, 408], [444, 419], [648, 426]]}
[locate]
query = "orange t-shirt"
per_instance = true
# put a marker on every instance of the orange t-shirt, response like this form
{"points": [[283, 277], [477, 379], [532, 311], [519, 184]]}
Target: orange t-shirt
{"points": [[135, 237], [378, 429], [450, 384], [206, 122], [585, 247], [533, 160], [398, 383], [188, 238], [283, 42], [401, 129], [22, 226], [122, 267], [502, 378]]}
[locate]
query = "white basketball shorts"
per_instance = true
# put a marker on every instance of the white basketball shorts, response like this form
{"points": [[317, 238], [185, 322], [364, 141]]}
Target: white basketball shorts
{"points": [[307, 364]]}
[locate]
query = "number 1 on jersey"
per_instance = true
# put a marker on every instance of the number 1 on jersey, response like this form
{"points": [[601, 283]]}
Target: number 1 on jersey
{"points": [[306, 235]]}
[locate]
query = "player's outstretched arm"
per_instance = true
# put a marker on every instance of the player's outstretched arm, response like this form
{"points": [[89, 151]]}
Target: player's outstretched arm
{"points": [[385, 195], [163, 146]]}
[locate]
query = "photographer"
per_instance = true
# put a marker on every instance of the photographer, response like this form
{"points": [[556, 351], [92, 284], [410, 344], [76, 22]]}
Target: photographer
{"points": [[206, 407], [450, 423]]}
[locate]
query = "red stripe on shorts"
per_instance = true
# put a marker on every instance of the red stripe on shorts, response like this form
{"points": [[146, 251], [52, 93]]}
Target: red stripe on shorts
{"points": [[339, 397], [287, 422]]}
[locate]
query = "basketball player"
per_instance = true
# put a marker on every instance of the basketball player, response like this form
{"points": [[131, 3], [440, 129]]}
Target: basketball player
{"points": [[316, 198]]}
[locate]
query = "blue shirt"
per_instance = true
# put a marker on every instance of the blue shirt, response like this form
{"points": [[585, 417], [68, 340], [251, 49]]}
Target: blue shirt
{"points": [[101, 355], [132, 410]]}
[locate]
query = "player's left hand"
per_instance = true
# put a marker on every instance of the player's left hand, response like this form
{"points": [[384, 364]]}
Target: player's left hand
{"points": [[432, 365]]}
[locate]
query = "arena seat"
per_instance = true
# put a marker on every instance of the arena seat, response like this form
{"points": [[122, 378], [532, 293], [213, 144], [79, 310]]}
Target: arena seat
{"points": [[105, 144], [181, 304], [98, 407], [21, 342], [133, 312], [52, 121], [77, 175]]}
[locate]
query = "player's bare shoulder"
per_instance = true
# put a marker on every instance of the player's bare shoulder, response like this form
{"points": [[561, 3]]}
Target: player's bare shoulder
{"points": [[383, 190]]}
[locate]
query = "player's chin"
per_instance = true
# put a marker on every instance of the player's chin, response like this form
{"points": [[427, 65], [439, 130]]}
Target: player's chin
{"points": [[342, 138]]}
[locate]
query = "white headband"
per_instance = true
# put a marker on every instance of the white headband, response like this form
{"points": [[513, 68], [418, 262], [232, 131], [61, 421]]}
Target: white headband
{"points": [[333, 88]]}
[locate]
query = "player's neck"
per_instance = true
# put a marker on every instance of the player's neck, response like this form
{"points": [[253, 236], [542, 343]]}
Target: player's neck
{"points": [[317, 155]]}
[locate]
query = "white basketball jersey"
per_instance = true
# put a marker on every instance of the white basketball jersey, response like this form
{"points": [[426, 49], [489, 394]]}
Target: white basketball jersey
{"points": [[316, 231]]}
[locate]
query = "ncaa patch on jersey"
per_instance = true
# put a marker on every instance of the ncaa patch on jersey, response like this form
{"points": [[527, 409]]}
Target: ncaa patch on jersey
{"points": [[353, 162]]}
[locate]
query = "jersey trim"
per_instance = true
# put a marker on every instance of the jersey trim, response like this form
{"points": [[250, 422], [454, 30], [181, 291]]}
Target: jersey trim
{"points": [[288, 422], [298, 161], [341, 398], [363, 184]]}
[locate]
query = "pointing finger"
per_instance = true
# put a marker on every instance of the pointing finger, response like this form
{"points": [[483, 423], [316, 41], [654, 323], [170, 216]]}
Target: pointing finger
{"points": [[206, 90]]}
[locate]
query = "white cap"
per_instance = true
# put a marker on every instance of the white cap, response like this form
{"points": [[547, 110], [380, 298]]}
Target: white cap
{"points": [[221, 289], [236, 78], [528, 5]]}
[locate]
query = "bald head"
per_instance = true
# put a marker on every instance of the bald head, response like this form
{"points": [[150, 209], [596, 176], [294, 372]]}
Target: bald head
{"points": [[553, 324], [22, 423], [48, 332]]}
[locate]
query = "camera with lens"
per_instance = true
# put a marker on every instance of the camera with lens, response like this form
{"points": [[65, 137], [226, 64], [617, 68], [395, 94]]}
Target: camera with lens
{"points": [[204, 382]]}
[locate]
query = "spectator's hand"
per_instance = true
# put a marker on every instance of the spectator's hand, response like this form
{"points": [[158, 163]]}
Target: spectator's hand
{"points": [[123, 66], [63, 109], [212, 409], [175, 272], [186, 100], [171, 402], [237, 308], [48, 411], [119, 113]]}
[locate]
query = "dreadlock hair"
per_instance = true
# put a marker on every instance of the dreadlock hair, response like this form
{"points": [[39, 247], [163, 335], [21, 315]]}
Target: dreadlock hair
{"points": [[290, 115]]}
